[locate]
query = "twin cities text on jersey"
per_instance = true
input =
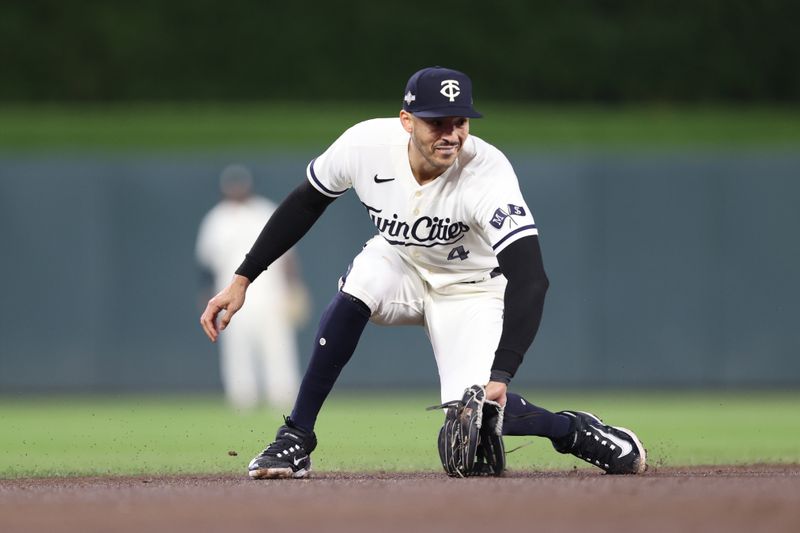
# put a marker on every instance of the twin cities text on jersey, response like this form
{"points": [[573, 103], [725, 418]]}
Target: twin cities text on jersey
{"points": [[424, 231]]}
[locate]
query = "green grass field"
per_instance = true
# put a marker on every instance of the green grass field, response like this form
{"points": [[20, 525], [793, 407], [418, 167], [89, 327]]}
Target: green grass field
{"points": [[100, 435], [284, 126]]}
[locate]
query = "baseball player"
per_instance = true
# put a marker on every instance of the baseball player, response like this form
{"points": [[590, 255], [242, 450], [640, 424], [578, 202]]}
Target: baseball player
{"points": [[456, 252], [258, 355]]}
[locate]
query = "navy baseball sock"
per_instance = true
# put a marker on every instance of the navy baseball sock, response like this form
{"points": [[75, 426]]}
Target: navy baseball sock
{"points": [[524, 418], [339, 329]]}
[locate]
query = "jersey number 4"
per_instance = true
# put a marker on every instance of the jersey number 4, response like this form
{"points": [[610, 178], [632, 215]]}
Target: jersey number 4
{"points": [[458, 252]]}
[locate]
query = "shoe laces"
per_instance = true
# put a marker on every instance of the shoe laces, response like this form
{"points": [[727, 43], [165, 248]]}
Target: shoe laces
{"points": [[591, 447], [281, 445]]}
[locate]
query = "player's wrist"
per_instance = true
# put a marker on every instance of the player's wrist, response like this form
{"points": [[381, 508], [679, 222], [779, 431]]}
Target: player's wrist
{"points": [[500, 376], [240, 281], [506, 362], [249, 269]]}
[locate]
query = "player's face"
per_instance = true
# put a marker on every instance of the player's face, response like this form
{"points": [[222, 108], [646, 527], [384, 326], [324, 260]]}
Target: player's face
{"points": [[435, 142]]}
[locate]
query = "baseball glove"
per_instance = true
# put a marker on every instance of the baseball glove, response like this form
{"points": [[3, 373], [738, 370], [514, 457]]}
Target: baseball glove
{"points": [[470, 441]]}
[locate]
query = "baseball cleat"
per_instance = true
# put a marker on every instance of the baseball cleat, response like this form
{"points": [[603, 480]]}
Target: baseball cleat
{"points": [[288, 457], [615, 450]]}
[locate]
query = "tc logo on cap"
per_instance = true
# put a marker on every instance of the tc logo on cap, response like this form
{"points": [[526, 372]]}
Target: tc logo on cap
{"points": [[450, 89]]}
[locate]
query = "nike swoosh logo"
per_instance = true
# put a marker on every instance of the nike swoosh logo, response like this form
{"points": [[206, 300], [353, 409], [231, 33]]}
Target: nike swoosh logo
{"points": [[624, 446], [382, 180], [297, 461]]}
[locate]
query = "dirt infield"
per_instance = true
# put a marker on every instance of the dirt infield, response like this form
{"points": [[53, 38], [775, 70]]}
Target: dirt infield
{"points": [[763, 498]]}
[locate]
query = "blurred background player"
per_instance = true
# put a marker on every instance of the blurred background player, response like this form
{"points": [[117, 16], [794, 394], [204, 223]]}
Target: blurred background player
{"points": [[258, 355]]}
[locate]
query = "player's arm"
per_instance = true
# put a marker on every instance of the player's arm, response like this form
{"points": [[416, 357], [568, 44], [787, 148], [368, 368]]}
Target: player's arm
{"points": [[291, 220], [521, 264], [287, 225]]}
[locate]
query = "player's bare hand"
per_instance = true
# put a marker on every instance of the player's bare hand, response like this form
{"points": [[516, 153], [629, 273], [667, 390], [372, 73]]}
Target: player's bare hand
{"points": [[230, 300], [496, 392]]}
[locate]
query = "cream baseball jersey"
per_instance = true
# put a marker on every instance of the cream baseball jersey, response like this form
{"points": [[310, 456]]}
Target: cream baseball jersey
{"points": [[451, 228]]}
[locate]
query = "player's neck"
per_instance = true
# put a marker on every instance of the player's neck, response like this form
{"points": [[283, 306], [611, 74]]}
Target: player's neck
{"points": [[422, 180]]}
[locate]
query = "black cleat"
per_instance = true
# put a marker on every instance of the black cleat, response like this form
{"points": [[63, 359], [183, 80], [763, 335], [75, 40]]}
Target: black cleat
{"points": [[615, 450], [288, 457]]}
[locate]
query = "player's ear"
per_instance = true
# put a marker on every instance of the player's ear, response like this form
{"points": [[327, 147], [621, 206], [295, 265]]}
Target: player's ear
{"points": [[407, 119]]}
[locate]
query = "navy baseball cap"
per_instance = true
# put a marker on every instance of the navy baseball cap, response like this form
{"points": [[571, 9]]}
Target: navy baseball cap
{"points": [[439, 92]]}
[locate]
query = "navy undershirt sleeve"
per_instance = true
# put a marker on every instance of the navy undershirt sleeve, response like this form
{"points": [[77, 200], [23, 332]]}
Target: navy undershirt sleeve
{"points": [[287, 225], [521, 264]]}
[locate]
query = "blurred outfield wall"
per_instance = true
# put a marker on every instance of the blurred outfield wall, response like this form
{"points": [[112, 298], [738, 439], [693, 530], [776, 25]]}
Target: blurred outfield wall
{"points": [[665, 269]]}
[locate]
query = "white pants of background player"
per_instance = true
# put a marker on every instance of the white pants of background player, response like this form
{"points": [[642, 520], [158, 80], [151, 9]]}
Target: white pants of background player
{"points": [[463, 321], [258, 359]]}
